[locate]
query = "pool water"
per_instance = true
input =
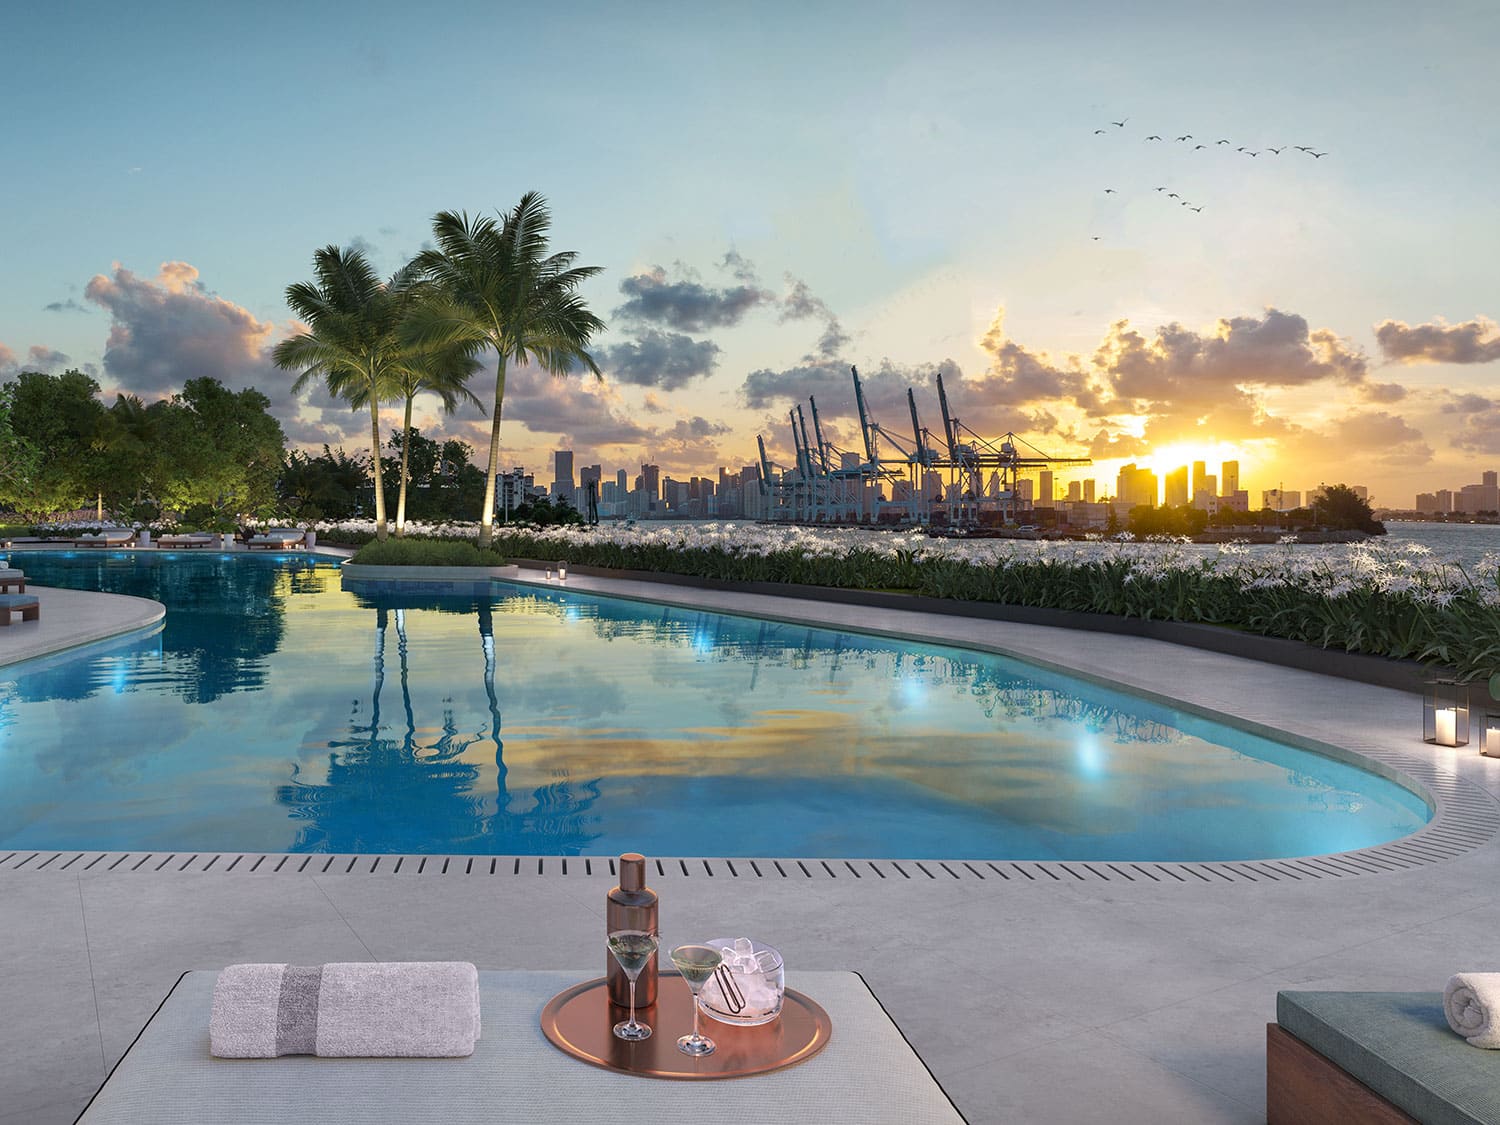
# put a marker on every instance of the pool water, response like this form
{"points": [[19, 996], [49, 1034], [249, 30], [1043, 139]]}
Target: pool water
{"points": [[276, 711]]}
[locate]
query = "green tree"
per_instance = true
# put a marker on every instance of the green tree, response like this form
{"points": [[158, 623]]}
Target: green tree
{"points": [[1341, 508], [500, 288], [61, 417], [544, 511], [422, 455], [327, 486], [223, 451], [20, 459], [1184, 520], [351, 343], [135, 455]]}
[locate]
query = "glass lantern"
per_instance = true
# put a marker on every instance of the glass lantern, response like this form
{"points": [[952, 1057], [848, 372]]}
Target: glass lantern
{"points": [[562, 570], [1489, 744], [1445, 713]]}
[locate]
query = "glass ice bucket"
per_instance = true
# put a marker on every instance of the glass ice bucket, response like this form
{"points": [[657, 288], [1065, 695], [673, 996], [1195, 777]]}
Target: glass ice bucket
{"points": [[746, 990]]}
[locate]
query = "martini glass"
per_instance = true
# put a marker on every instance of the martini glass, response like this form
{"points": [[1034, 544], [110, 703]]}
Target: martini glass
{"points": [[696, 963], [633, 949]]}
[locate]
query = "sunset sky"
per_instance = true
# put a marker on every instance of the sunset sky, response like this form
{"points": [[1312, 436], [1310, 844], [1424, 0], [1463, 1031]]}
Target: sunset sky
{"points": [[776, 191]]}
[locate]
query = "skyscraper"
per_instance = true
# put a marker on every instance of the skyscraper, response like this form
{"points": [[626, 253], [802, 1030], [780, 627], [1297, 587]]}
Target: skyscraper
{"points": [[1229, 478], [1200, 477], [1044, 494], [1136, 486], [1177, 488], [651, 481], [562, 473], [1088, 491]]}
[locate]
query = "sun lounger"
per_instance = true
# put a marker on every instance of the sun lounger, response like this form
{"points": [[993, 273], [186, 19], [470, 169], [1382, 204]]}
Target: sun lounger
{"points": [[1374, 1056], [109, 537], [278, 538], [10, 577], [30, 607], [867, 1073], [192, 539]]}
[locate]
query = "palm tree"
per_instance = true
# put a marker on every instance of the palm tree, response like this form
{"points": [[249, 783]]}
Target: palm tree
{"points": [[444, 373], [133, 444], [351, 342], [500, 289]]}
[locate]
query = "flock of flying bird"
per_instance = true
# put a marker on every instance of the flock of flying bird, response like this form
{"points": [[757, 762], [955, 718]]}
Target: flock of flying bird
{"points": [[1245, 149]]}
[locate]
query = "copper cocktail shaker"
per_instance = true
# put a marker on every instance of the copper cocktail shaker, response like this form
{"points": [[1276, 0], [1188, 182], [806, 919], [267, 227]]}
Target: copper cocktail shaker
{"points": [[631, 906]]}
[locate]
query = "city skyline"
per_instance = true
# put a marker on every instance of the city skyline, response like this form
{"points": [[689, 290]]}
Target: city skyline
{"points": [[773, 205], [1188, 485]]}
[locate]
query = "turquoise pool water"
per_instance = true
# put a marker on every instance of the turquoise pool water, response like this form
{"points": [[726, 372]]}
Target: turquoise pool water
{"points": [[278, 712]]}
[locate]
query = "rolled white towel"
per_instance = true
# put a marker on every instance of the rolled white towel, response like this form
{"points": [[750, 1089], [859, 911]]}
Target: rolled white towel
{"points": [[415, 1009], [1472, 1004]]}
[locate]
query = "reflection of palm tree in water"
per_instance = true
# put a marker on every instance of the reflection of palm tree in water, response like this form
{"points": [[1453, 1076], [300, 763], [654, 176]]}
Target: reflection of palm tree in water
{"points": [[559, 814], [397, 795]]}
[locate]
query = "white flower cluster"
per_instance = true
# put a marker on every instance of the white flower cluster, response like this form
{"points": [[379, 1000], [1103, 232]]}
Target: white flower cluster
{"points": [[1334, 570]]}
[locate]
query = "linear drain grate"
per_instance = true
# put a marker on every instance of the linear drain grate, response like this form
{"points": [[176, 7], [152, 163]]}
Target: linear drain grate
{"points": [[587, 867]]}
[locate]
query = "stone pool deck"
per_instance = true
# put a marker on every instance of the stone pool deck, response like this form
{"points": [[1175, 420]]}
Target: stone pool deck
{"points": [[1036, 992], [72, 618]]}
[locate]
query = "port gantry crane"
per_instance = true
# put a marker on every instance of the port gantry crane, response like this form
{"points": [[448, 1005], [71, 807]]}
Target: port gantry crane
{"points": [[969, 455], [915, 459], [820, 488]]}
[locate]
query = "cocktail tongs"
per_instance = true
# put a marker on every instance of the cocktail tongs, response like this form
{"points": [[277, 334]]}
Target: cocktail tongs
{"points": [[734, 999]]}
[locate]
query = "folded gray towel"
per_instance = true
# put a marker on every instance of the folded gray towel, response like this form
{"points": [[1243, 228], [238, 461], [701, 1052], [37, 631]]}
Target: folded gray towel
{"points": [[411, 1009]]}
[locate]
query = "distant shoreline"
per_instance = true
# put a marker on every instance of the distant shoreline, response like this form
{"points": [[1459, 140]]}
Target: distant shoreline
{"points": [[1484, 520]]}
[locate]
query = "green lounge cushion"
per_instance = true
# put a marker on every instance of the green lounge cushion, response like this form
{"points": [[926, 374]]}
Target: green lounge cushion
{"points": [[1399, 1045], [18, 601]]}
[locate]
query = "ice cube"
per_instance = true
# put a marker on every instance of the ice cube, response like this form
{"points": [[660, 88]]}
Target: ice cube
{"points": [[713, 993]]}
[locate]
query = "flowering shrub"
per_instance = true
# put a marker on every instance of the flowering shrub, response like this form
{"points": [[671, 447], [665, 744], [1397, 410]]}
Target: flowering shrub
{"points": [[1398, 600], [1373, 597]]}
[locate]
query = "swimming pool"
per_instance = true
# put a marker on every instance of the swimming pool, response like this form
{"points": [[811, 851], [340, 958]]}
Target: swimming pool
{"points": [[276, 711]]}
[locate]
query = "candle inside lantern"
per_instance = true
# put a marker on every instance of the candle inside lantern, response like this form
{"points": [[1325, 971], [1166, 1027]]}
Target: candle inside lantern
{"points": [[1447, 726], [1490, 747], [562, 571]]}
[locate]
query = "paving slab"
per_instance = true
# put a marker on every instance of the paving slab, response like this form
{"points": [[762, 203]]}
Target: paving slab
{"points": [[49, 1023]]}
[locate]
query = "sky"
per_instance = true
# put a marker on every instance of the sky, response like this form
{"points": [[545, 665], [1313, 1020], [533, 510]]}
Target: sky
{"points": [[778, 191]]}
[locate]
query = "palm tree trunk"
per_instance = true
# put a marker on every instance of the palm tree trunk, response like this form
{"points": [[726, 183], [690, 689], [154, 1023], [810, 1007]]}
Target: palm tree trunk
{"points": [[380, 528], [487, 517], [405, 462]]}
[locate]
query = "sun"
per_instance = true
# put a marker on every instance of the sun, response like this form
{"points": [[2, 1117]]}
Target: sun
{"points": [[1166, 458]]}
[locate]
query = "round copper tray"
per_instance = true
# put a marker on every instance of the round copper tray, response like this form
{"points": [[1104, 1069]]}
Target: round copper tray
{"points": [[580, 1021]]}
